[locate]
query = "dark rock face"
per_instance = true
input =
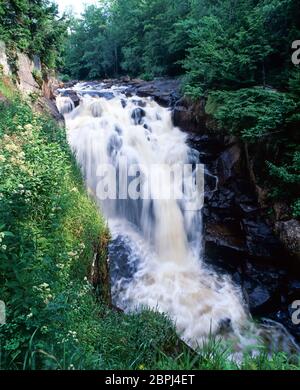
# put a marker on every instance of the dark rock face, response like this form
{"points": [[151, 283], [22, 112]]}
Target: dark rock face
{"points": [[289, 233], [72, 95], [44, 104], [165, 91], [261, 241], [238, 237], [190, 117], [105, 95], [228, 163]]}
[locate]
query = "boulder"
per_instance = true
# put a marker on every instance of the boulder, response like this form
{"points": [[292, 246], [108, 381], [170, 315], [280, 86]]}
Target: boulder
{"points": [[190, 116], [26, 81], [50, 87], [137, 115], [260, 239], [289, 235], [229, 163], [225, 236], [164, 91], [258, 298], [72, 95]]}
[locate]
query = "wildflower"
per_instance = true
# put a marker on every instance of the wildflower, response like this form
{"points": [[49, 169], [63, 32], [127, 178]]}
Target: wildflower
{"points": [[2, 158], [4, 247], [11, 148], [28, 127], [72, 254]]}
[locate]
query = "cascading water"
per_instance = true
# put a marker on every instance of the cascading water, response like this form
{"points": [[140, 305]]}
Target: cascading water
{"points": [[156, 246]]}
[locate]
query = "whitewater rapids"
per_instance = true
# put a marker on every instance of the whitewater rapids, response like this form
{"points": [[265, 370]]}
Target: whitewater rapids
{"points": [[162, 237]]}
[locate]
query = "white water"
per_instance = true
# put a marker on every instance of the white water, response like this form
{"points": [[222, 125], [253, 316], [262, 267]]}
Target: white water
{"points": [[164, 238]]}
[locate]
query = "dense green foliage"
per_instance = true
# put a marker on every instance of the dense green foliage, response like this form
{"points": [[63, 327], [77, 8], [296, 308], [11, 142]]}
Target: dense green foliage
{"points": [[134, 37], [216, 43], [33, 27]]}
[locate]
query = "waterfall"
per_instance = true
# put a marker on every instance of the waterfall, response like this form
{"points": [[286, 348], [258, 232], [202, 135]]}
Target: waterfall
{"points": [[156, 250]]}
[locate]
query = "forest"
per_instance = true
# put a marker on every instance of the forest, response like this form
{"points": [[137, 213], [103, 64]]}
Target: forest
{"points": [[233, 55]]}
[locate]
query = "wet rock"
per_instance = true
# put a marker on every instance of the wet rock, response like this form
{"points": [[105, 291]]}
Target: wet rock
{"points": [[259, 298], [261, 241], [289, 235], [96, 108], [139, 103], [164, 91], [119, 130], [281, 211], [70, 84], [114, 145], [225, 236], [247, 204], [123, 262], [189, 116], [229, 163], [72, 95], [105, 95], [294, 290], [137, 115]]}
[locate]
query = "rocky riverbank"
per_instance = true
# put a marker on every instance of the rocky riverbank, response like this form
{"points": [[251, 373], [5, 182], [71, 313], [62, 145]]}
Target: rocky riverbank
{"points": [[259, 250]]}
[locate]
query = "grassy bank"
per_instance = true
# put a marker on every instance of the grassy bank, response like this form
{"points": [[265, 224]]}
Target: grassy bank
{"points": [[50, 232]]}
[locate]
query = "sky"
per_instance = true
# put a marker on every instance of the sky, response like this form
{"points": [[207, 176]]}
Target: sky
{"points": [[76, 5]]}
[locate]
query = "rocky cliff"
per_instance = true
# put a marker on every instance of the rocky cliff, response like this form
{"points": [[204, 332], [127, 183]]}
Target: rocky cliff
{"points": [[259, 251], [32, 79]]}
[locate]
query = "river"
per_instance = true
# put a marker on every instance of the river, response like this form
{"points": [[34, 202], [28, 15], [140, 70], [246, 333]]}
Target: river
{"points": [[149, 185]]}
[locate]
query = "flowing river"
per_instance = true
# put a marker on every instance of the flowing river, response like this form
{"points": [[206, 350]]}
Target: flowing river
{"points": [[128, 146]]}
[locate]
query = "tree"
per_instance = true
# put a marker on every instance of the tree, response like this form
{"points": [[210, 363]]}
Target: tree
{"points": [[33, 27]]}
